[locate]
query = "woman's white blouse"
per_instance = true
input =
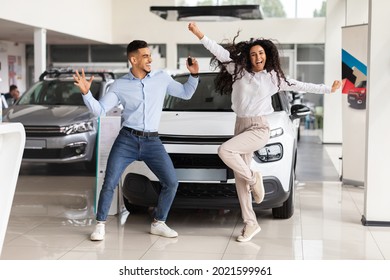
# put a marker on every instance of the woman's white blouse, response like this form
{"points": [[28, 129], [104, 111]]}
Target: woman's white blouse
{"points": [[251, 95]]}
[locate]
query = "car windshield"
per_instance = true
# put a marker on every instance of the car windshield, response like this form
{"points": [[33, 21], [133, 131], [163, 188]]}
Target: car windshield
{"points": [[56, 92], [206, 98]]}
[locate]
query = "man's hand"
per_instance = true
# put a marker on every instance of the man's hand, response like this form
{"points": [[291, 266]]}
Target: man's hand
{"points": [[82, 82], [194, 67], [194, 29]]}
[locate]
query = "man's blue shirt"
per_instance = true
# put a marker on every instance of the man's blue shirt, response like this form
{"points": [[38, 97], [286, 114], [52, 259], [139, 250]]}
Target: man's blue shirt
{"points": [[142, 99]]}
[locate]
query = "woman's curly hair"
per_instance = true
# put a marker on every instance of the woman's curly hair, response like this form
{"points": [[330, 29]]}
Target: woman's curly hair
{"points": [[239, 53]]}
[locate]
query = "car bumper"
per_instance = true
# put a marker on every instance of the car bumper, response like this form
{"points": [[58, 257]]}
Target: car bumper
{"points": [[139, 190], [61, 149]]}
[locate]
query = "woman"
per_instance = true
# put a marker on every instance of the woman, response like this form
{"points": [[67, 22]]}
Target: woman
{"points": [[251, 72]]}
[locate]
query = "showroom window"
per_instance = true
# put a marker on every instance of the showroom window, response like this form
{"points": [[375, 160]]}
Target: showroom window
{"points": [[310, 68], [270, 8], [91, 57], [108, 53], [68, 53]]}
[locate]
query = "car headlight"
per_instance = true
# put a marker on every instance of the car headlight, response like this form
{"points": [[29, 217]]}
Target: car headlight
{"points": [[272, 152], [77, 128], [276, 132]]}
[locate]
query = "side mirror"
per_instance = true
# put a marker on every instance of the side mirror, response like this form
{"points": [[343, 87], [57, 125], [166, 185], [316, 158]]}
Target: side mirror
{"points": [[299, 111]]}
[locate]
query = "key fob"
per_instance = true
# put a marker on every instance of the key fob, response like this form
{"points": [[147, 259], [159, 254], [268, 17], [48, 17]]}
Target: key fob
{"points": [[189, 61]]}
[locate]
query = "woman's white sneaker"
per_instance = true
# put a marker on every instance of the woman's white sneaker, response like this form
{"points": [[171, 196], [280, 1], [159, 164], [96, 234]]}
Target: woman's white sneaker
{"points": [[160, 228], [248, 232]]}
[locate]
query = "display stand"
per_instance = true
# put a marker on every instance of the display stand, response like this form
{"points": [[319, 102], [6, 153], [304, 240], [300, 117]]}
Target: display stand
{"points": [[12, 141], [354, 71]]}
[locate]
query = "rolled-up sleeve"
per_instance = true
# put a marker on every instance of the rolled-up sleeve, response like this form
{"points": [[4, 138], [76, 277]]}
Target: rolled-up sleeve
{"points": [[101, 107], [184, 91]]}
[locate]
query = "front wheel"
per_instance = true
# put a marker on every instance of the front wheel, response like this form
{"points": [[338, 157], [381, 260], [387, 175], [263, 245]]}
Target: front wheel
{"points": [[287, 209], [132, 208]]}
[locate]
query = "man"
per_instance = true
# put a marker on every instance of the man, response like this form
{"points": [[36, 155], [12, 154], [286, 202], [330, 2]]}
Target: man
{"points": [[142, 93], [12, 96]]}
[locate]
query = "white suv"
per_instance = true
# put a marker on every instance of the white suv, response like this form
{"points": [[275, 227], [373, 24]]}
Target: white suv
{"points": [[192, 130]]}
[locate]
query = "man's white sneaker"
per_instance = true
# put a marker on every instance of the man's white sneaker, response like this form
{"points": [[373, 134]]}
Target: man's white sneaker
{"points": [[160, 228], [248, 232], [98, 233], [258, 188]]}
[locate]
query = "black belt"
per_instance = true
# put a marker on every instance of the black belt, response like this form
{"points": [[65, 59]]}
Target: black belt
{"points": [[141, 133]]}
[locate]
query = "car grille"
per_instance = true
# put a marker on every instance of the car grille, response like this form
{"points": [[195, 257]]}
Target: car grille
{"points": [[194, 139], [195, 190], [43, 131], [197, 161]]}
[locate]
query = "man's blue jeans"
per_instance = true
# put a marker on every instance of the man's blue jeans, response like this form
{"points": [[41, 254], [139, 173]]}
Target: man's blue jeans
{"points": [[128, 148]]}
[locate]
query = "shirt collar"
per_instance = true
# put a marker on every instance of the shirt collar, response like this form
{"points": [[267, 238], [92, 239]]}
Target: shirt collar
{"points": [[150, 74]]}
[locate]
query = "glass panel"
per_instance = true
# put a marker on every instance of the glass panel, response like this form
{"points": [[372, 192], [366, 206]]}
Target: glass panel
{"points": [[205, 97], [309, 52], [310, 73], [271, 8], [285, 63], [310, 9], [108, 53], [69, 53], [56, 93]]}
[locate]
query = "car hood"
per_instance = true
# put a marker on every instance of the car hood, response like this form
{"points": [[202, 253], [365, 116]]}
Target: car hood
{"points": [[208, 123], [47, 115]]}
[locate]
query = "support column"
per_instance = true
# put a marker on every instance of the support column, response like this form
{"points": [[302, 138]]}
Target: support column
{"points": [[376, 205], [39, 52], [335, 19]]}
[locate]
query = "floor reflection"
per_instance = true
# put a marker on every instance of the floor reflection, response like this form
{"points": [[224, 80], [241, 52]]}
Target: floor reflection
{"points": [[52, 217]]}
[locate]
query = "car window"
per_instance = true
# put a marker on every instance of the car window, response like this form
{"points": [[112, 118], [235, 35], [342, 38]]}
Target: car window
{"points": [[280, 101], [206, 98], [56, 92]]}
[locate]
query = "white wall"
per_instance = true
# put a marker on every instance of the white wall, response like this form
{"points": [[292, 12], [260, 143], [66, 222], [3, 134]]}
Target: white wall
{"points": [[357, 12]]}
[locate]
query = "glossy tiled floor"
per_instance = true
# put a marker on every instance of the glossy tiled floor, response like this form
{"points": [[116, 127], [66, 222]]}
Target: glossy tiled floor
{"points": [[52, 217]]}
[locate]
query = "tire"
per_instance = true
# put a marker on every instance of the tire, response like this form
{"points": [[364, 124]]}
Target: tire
{"points": [[287, 209], [132, 208]]}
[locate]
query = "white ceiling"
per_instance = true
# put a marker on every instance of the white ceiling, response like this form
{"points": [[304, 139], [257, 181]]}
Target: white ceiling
{"points": [[21, 33]]}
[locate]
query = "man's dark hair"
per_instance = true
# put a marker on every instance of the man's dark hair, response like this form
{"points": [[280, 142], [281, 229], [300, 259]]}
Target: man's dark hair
{"points": [[135, 45], [12, 87]]}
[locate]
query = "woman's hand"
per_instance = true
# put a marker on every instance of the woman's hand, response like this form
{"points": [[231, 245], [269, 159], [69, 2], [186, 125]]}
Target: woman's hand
{"points": [[82, 82], [194, 29], [336, 85]]}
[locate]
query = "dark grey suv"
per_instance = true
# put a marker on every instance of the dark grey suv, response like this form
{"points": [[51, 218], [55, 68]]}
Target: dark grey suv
{"points": [[59, 127]]}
